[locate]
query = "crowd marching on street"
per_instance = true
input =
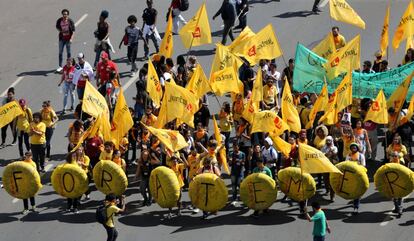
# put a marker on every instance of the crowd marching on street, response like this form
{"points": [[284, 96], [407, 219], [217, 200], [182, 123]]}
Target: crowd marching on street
{"points": [[175, 95]]}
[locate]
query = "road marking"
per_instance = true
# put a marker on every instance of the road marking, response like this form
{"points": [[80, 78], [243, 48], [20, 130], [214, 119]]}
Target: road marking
{"points": [[387, 219], [130, 81], [47, 168], [12, 85], [81, 19]]}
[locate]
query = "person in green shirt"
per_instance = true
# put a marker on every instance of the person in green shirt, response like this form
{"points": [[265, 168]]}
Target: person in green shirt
{"points": [[321, 224], [261, 168], [111, 210]]}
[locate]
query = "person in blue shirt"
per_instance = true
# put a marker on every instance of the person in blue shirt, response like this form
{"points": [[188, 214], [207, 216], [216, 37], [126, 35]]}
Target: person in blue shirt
{"points": [[321, 225], [237, 160]]}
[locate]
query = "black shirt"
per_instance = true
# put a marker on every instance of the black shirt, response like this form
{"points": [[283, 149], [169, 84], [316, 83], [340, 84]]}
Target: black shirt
{"points": [[149, 16], [227, 11]]}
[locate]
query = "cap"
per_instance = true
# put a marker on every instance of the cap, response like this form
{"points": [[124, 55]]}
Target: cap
{"points": [[378, 53], [104, 55], [269, 141], [81, 55], [22, 102]]}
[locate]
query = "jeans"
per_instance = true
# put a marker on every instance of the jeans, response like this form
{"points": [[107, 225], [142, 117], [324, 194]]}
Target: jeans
{"points": [[315, 5], [235, 183], [23, 138], [38, 152], [68, 90], [132, 55], [133, 148], [154, 40], [112, 233], [356, 203], [397, 204], [318, 238], [177, 19], [4, 132], [49, 134], [62, 44], [80, 91], [227, 30], [26, 202], [73, 203], [144, 188]]}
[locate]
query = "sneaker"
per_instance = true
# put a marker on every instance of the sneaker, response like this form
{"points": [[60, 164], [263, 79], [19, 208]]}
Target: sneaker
{"points": [[67, 210], [59, 69], [75, 211], [14, 143], [87, 197], [25, 211], [196, 210], [33, 209], [71, 108], [132, 74], [205, 215], [233, 203], [355, 212]]}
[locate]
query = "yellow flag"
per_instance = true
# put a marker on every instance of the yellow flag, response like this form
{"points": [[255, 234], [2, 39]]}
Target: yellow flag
{"points": [[237, 46], [198, 83], [167, 43], [378, 111], [222, 151], [101, 127], [224, 81], [264, 45], [289, 112], [397, 98], [341, 11], [154, 88], [281, 145], [384, 32], [197, 31], [268, 121], [410, 43], [340, 99], [223, 59], [347, 57], [257, 92], [410, 111], [405, 28], [122, 120], [249, 110], [93, 102], [8, 112], [172, 140], [162, 116], [326, 47], [320, 104], [85, 135], [314, 161], [179, 103]]}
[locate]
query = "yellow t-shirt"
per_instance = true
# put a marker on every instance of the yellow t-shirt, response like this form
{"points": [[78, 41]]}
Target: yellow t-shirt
{"points": [[86, 162], [270, 94], [23, 121], [38, 139], [105, 155], [304, 116], [225, 122], [178, 170], [339, 41], [319, 143], [110, 213], [48, 116]]}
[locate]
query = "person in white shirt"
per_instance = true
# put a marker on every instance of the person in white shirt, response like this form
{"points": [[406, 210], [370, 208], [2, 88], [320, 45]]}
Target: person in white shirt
{"points": [[269, 155]]}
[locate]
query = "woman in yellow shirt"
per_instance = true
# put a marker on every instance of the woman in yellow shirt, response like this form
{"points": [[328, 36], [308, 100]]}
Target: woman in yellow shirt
{"points": [[397, 146], [50, 118], [28, 159], [23, 126], [321, 134], [83, 162], [226, 123], [37, 141]]}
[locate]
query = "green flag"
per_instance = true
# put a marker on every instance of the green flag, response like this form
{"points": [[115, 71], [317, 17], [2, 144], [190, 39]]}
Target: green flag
{"points": [[308, 69]]}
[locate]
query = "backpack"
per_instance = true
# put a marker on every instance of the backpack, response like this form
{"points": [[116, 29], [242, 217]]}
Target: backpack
{"points": [[101, 214], [184, 4]]}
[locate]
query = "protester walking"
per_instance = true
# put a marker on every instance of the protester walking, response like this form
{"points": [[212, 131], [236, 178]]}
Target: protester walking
{"points": [[321, 225], [228, 14], [149, 30], [66, 28]]}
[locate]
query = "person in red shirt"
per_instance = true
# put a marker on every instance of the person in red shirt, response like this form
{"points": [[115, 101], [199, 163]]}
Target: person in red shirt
{"points": [[66, 28], [103, 70], [68, 86]]}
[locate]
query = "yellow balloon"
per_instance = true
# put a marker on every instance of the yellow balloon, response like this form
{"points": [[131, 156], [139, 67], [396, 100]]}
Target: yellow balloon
{"points": [[69, 180], [109, 178], [208, 192], [164, 187], [353, 183], [394, 180], [258, 191], [21, 180], [296, 185]]}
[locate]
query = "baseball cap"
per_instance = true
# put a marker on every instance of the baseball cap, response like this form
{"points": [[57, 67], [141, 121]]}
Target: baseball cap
{"points": [[104, 55], [81, 55]]}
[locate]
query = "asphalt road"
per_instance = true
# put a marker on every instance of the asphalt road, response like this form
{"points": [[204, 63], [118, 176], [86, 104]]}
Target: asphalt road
{"points": [[29, 58]]}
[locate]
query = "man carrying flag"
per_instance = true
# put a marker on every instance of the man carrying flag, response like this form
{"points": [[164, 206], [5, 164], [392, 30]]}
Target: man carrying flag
{"points": [[228, 14]]}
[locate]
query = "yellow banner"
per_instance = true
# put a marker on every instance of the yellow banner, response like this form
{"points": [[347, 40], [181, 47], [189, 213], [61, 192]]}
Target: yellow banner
{"points": [[405, 28], [8, 112], [249, 110], [199, 84], [122, 120], [224, 59], [326, 47], [257, 92], [172, 140], [384, 32], [222, 151], [167, 43], [314, 161], [378, 111], [224, 81], [197, 31], [347, 57], [320, 105], [268, 121], [289, 112], [341, 11], [397, 98], [237, 46], [93, 102], [281, 145], [154, 88]]}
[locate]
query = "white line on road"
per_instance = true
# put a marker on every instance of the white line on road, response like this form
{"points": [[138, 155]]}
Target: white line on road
{"points": [[81, 19], [12, 85], [47, 168], [386, 220], [130, 81]]}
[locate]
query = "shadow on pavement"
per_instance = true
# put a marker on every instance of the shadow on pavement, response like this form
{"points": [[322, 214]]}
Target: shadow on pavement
{"points": [[37, 73], [206, 52], [84, 217], [375, 197], [8, 217], [302, 14], [369, 217]]}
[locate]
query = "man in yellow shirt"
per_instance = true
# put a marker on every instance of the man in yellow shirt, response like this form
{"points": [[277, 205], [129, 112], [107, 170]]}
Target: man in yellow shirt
{"points": [[37, 141], [338, 38], [270, 95], [111, 210]]}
